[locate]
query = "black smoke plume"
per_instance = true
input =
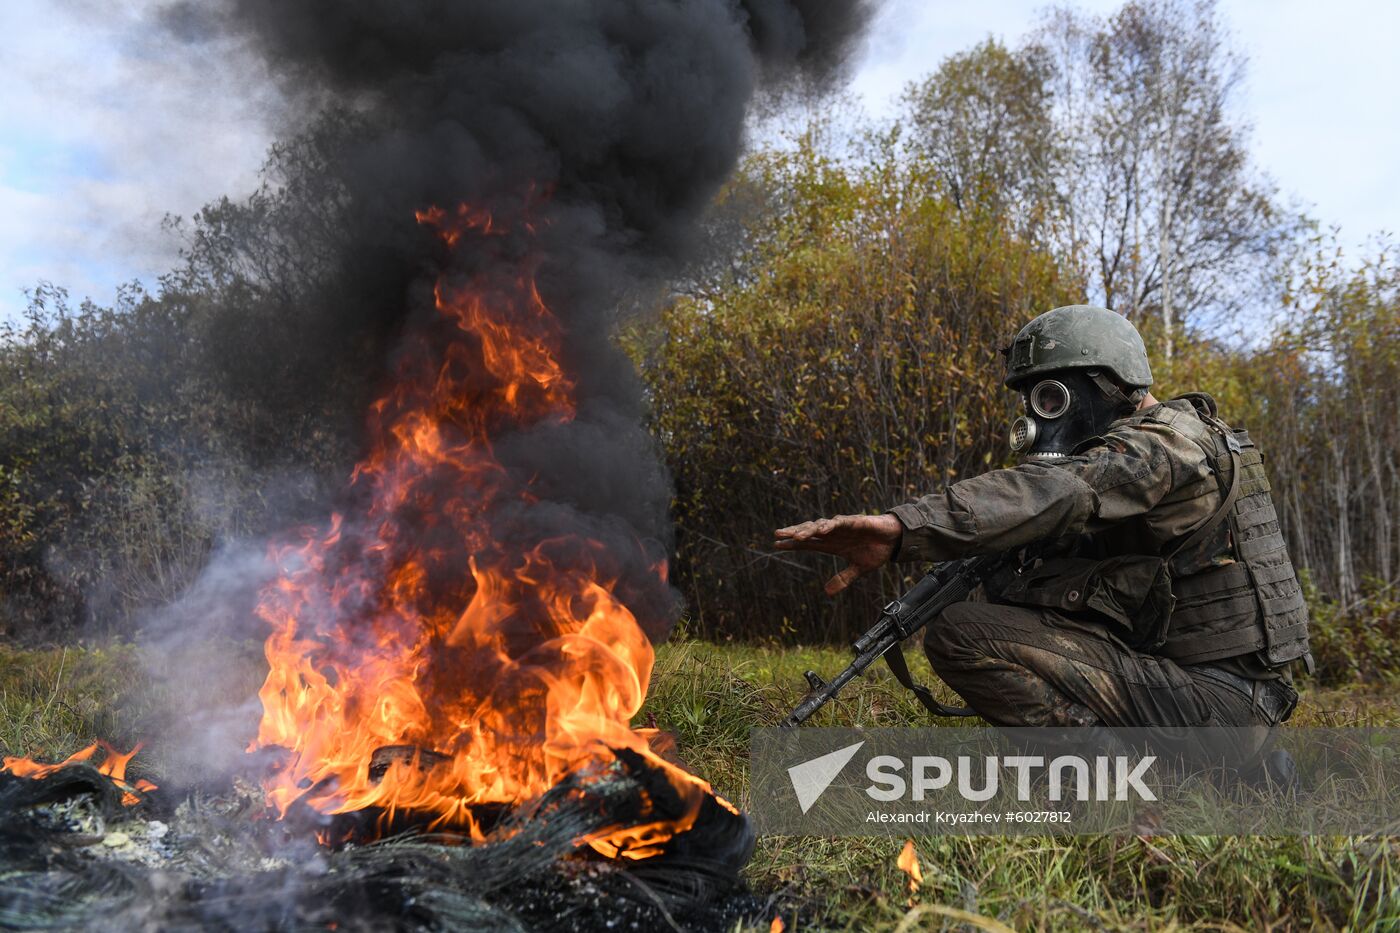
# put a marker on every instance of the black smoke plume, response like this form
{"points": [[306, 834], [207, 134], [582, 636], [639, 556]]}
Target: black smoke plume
{"points": [[604, 126]]}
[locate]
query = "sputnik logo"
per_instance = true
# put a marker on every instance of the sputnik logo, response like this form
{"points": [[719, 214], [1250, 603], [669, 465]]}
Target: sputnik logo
{"points": [[811, 778]]}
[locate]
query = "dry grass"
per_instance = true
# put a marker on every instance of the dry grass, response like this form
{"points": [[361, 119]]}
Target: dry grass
{"points": [[54, 701]]}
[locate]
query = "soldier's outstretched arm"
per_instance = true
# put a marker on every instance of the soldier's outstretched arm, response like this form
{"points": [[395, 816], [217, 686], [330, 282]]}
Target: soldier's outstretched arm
{"points": [[1124, 476]]}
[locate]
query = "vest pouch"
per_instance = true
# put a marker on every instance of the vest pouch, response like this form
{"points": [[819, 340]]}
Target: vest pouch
{"points": [[1130, 594]]}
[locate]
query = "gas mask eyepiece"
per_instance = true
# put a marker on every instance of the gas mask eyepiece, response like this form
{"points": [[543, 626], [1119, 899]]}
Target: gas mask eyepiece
{"points": [[1048, 400]]}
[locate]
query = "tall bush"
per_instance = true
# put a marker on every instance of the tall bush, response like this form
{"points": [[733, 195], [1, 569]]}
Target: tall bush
{"points": [[854, 365]]}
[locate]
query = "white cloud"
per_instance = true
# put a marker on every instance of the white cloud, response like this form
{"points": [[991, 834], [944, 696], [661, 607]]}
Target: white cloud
{"points": [[107, 125], [911, 37], [1321, 93]]}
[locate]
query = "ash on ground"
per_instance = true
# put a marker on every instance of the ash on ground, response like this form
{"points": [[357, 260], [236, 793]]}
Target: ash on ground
{"points": [[73, 857]]}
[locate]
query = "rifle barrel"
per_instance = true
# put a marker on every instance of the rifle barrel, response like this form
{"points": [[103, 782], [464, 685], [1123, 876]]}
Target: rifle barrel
{"points": [[816, 699]]}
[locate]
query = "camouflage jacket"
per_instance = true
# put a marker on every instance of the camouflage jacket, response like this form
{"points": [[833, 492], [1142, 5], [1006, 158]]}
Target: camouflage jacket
{"points": [[1136, 489], [1147, 484]]}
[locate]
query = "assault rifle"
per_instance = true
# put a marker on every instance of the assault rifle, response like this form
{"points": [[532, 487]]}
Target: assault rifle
{"points": [[946, 584]]}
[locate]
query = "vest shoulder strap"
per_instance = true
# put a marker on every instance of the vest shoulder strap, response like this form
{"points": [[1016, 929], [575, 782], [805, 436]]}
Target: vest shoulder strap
{"points": [[1199, 533], [1202, 402]]}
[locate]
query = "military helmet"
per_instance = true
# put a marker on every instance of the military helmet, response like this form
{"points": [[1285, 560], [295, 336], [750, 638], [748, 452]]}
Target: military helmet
{"points": [[1078, 337]]}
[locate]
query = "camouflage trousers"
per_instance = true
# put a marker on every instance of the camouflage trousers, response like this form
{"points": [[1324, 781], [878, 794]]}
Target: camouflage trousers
{"points": [[1017, 666]]}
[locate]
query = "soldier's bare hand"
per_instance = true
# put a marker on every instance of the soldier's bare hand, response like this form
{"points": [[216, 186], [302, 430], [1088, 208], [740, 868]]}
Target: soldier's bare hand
{"points": [[867, 542]]}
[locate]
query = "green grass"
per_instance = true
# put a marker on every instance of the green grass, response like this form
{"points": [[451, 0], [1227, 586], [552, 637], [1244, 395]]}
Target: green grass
{"points": [[710, 696], [55, 701]]}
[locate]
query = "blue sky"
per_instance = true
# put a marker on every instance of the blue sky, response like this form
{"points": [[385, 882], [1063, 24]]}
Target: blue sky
{"points": [[105, 129]]}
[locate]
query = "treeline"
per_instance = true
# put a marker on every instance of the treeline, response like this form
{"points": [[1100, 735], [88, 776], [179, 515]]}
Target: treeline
{"points": [[852, 364], [833, 348], [845, 360], [136, 438]]}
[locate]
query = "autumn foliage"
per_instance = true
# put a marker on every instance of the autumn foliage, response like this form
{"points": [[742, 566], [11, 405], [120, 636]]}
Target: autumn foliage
{"points": [[853, 365]]}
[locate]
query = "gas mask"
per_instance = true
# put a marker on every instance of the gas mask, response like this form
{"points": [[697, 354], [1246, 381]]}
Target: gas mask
{"points": [[1065, 409]]}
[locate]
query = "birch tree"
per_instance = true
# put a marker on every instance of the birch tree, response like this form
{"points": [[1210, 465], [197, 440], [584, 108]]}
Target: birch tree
{"points": [[1119, 141]]}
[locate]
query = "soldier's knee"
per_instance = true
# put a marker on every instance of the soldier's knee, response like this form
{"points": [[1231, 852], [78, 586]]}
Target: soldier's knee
{"points": [[954, 636]]}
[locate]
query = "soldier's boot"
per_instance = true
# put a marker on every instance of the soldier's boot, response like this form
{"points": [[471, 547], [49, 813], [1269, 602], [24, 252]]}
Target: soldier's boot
{"points": [[1278, 770]]}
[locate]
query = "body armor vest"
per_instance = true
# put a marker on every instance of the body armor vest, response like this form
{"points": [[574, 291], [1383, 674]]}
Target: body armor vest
{"points": [[1236, 590]]}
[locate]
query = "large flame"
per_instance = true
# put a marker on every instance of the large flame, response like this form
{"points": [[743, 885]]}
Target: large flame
{"points": [[493, 670]]}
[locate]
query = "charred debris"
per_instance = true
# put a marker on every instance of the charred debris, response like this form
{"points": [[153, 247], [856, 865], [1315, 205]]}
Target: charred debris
{"points": [[76, 853]]}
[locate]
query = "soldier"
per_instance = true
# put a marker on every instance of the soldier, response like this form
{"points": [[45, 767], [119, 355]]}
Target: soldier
{"points": [[1168, 597]]}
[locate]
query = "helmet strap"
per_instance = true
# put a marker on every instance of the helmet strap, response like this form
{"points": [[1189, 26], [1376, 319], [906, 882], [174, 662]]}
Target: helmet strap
{"points": [[1128, 401]]}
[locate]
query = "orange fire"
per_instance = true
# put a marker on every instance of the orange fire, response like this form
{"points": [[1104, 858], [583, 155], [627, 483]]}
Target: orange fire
{"points": [[113, 765], [908, 863], [488, 671]]}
